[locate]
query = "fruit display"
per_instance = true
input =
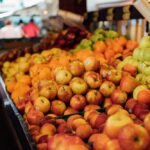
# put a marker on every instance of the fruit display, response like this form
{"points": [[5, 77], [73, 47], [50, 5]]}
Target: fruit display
{"points": [[81, 99]]}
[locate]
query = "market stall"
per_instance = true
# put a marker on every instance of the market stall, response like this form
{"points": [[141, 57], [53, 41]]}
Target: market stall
{"points": [[84, 88]]}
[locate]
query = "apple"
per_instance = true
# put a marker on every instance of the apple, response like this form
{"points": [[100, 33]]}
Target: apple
{"points": [[147, 122], [144, 96], [134, 136], [113, 109], [140, 110], [91, 107], [104, 70], [119, 97], [93, 137], [141, 78], [91, 64], [107, 103], [34, 116], [130, 69], [114, 76], [42, 146], [76, 67], [93, 79], [48, 91], [130, 105], [88, 113], [115, 123], [128, 84], [145, 42], [78, 86], [94, 97], [64, 93], [137, 90], [71, 119], [42, 104], [78, 122], [58, 107], [28, 106], [100, 121], [78, 102], [48, 129], [34, 130], [63, 128], [112, 145], [84, 131], [63, 76], [107, 88], [100, 141], [69, 111]]}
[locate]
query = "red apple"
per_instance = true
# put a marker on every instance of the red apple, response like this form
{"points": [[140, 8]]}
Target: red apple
{"points": [[91, 64], [104, 70], [100, 141], [128, 84], [115, 123], [34, 117], [64, 93], [94, 97], [58, 107], [91, 107], [78, 86], [144, 96], [78, 102], [69, 111], [84, 131], [107, 88], [63, 128], [107, 103], [147, 122], [78, 122], [112, 145], [72, 118], [76, 67], [93, 79], [118, 97], [130, 69], [114, 76], [133, 136], [140, 110], [130, 105], [48, 129], [100, 121]]}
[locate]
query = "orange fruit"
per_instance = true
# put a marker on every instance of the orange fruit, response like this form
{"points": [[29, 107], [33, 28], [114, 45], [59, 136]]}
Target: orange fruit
{"points": [[99, 47]]}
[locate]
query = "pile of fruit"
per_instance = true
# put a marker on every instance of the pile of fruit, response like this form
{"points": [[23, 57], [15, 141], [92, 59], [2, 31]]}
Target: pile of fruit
{"points": [[81, 101], [107, 46]]}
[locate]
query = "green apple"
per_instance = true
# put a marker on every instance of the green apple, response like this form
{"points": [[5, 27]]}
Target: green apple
{"points": [[141, 78], [137, 90], [146, 54], [145, 42]]}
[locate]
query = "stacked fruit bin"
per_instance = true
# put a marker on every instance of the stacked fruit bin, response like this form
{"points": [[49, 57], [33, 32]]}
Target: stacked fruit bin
{"points": [[81, 97]]}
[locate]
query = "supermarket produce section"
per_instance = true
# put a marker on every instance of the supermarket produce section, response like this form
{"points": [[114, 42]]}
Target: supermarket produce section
{"points": [[79, 91]]}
